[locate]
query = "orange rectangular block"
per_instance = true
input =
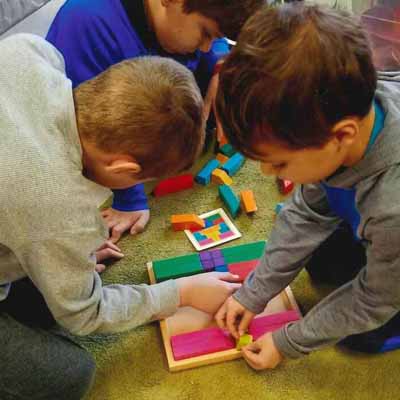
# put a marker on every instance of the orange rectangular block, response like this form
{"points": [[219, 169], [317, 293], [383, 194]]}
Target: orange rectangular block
{"points": [[222, 158], [181, 222], [248, 201], [220, 177]]}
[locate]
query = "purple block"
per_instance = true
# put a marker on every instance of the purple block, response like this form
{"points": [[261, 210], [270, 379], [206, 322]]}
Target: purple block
{"points": [[219, 261], [216, 254], [205, 255], [207, 265]]}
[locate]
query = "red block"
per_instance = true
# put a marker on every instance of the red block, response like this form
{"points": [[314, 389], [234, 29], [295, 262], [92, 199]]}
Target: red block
{"points": [[259, 326], [242, 268], [174, 184], [285, 186], [197, 343]]}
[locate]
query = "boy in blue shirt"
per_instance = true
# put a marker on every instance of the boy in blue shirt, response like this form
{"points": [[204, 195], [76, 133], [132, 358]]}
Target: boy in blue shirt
{"points": [[300, 94], [92, 35]]}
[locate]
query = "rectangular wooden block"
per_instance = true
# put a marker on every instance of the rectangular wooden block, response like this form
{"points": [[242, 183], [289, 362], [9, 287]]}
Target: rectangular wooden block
{"points": [[230, 199], [201, 342], [233, 164], [248, 201], [174, 184], [243, 268], [244, 252], [204, 176], [181, 222], [176, 267]]}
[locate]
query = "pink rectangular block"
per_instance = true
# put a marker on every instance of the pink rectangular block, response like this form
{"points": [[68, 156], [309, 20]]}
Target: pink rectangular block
{"points": [[197, 343], [225, 234], [270, 323], [205, 241], [242, 268]]}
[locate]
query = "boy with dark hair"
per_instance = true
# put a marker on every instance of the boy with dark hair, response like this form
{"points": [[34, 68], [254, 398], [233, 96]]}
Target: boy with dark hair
{"points": [[55, 141], [92, 35], [300, 94]]}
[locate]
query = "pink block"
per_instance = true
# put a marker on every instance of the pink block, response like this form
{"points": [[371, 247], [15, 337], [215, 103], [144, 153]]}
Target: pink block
{"points": [[197, 343], [205, 241], [242, 268], [270, 323], [225, 234]]}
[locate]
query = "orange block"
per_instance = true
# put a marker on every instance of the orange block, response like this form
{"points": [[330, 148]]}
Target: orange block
{"points": [[248, 201], [220, 177], [181, 222], [222, 158], [222, 140]]}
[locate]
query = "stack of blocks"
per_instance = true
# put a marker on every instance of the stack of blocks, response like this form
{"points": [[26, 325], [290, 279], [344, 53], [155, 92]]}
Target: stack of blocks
{"points": [[213, 261]]}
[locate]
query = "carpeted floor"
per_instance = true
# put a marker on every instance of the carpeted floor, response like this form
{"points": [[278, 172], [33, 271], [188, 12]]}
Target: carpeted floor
{"points": [[132, 365]]}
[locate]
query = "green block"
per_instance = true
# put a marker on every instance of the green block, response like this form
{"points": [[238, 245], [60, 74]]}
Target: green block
{"points": [[244, 340], [177, 267], [227, 150], [243, 252]]}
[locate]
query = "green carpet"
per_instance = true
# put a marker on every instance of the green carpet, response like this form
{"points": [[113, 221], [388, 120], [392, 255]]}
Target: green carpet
{"points": [[132, 365]]}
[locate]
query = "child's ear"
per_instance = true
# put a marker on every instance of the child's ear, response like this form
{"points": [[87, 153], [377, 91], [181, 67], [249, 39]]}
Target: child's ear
{"points": [[122, 166], [346, 131]]}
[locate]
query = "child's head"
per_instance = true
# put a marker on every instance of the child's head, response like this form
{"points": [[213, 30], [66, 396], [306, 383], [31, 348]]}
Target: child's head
{"points": [[297, 89], [140, 119], [183, 26]]}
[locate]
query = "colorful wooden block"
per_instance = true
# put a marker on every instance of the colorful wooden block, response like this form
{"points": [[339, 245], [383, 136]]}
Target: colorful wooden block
{"points": [[244, 252], [206, 341], [220, 177], [174, 184], [222, 268], [181, 222], [248, 201], [222, 158], [242, 268], [208, 265], [285, 186], [269, 323], [227, 150], [233, 164], [205, 255], [244, 340], [230, 199], [204, 176], [176, 267]]}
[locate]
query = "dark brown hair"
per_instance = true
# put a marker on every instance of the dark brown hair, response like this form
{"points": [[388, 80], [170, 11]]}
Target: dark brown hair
{"points": [[147, 107], [230, 15], [296, 71]]}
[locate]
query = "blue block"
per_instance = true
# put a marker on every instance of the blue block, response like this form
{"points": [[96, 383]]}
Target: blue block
{"points": [[233, 164], [227, 150], [278, 207], [204, 176], [222, 268], [208, 223], [223, 227], [230, 199]]}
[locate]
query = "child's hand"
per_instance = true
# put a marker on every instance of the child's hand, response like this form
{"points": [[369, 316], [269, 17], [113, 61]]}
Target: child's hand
{"points": [[207, 291], [120, 221], [107, 250], [234, 317], [262, 353]]}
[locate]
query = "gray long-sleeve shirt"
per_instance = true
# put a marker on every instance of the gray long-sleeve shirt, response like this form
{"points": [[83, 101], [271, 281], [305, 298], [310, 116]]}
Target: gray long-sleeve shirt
{"points": [[306, 220], [49, 222]]}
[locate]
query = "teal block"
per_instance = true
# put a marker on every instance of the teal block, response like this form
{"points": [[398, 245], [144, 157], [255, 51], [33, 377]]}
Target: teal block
{"points": [[204, 176], [227, 150], [278, 207], [233, 164], [230, 199], [223, 227], [243, 252]]}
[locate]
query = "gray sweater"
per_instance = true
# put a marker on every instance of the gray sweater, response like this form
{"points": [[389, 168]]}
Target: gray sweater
{"points": [[49, 222], [306, 220]]}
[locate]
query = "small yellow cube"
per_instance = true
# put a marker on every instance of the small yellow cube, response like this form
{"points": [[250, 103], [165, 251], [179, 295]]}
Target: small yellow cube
{"points": [[244, 340]]}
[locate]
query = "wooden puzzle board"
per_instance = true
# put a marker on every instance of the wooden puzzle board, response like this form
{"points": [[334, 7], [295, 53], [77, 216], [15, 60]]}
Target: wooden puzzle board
{"points": [[188, 319]]}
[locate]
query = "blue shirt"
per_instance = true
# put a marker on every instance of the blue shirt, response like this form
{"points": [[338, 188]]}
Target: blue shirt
{"points": [[92, 35]]}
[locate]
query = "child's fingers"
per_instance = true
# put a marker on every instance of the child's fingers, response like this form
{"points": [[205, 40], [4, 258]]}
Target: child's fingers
{"points": [[139, 224], [220, 317], [253, 356], [245, 322], [231, 323], [227, 277], [100, 268]]}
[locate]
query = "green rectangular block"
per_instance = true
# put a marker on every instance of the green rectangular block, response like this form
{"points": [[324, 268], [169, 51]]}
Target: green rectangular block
{"points": [[177, 267], [243, 252]]}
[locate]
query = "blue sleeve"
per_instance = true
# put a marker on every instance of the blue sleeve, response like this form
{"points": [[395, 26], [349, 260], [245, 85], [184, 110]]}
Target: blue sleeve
{"points": [[131, 199], [91, 39]]}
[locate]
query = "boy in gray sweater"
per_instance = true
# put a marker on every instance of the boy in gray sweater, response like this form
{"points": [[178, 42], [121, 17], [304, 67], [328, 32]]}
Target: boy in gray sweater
{"points": [[300, 94], [138, 120]]}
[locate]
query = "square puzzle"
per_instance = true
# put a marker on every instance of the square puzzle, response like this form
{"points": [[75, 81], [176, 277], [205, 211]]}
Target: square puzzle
{"points": [[219, 229]]}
